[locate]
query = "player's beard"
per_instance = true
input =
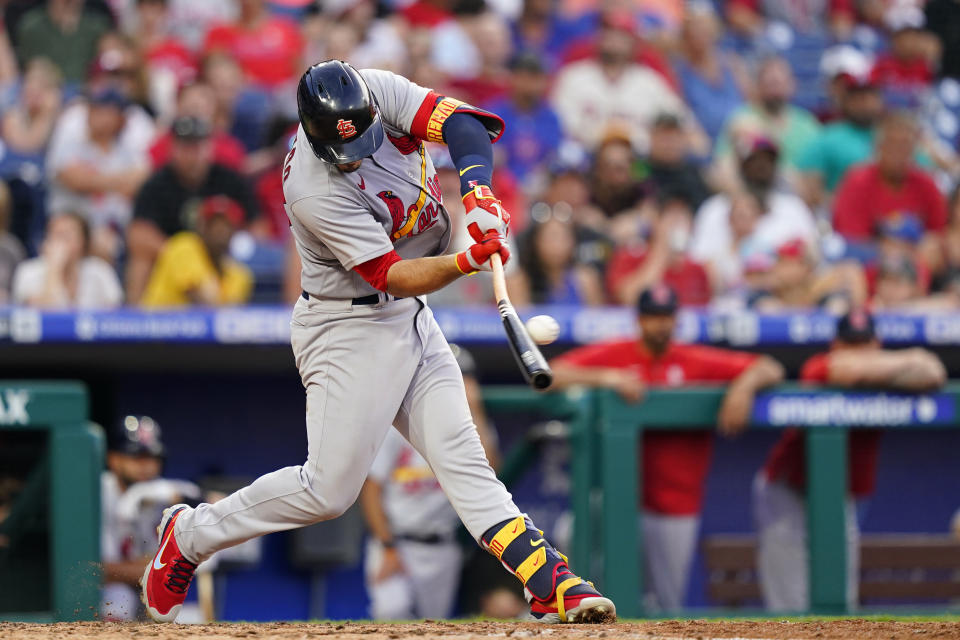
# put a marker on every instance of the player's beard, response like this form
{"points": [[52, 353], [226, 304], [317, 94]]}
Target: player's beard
{"points": [[657, 342], [349, 167]]}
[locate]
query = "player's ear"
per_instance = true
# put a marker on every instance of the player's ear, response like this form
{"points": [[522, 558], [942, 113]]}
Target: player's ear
{"points": [[113, 461]]}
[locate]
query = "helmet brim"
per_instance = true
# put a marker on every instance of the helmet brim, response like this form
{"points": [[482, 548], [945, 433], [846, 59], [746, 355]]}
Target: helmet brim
{"points": [[346, 152]]}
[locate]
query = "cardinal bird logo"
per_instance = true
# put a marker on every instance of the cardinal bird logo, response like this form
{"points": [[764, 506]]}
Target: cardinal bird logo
{"points": [[397, 211], [346, 129]]}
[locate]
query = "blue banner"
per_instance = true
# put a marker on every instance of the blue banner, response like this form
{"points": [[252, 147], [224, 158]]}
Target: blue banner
{"points": [[851, 409], [470, 326]]}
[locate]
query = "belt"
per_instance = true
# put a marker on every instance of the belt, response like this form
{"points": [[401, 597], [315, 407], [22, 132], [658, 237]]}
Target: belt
{"points": [[373, 298], [432, 538]]}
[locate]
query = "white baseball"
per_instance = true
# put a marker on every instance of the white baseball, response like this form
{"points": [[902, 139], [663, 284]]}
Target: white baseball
{"points": [[543, 329]]}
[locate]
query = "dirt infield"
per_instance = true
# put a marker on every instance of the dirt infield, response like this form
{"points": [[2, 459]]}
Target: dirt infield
{"points": [[661, 630]]}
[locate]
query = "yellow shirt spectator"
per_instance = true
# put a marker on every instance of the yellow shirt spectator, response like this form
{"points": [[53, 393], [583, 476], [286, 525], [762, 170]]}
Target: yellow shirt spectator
{"points": [[185, 268]]}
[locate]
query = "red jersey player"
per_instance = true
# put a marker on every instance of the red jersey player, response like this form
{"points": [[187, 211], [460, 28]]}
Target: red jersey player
{"points": [[675, 464], [855, 360]]}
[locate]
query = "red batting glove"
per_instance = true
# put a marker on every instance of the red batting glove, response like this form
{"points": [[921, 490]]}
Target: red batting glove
{"points": [[485, 213], [477, 256]]}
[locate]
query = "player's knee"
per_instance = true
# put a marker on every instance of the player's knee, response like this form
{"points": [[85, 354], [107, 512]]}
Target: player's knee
{"points": [[328, 507], [337, 505], [330, 497]]}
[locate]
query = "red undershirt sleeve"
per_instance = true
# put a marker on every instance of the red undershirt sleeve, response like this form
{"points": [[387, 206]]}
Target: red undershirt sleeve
{"points": [[374, 271]]}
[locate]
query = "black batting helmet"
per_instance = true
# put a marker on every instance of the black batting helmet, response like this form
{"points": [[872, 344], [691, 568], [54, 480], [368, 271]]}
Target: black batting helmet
{"points": [[338, 113], [137, 436]]}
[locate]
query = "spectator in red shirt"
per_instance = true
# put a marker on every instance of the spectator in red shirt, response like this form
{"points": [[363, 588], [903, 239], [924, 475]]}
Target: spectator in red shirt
{"points": [[674, 465], [644, 53], [855, 361], [268, 184], [198, 100], [269, 49], [905, 71], [635, 268], [892, 183], [750, 17], [427, 13], [490, 34], [169, 62]]}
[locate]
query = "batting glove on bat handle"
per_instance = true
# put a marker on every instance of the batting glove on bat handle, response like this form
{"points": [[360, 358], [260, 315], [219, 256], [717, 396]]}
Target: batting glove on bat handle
{"points": [[477, 256], [485, 213]]}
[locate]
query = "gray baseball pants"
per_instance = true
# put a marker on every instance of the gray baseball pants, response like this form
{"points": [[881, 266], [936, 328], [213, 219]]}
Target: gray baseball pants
{"points": [[364, 367], [780, 513]]}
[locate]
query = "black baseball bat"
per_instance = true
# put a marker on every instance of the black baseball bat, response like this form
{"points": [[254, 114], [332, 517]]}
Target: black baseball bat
{"points": [[532, 364]]}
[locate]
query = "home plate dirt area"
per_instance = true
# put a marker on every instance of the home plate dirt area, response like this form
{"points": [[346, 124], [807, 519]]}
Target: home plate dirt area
{"points": [[658, 630]]}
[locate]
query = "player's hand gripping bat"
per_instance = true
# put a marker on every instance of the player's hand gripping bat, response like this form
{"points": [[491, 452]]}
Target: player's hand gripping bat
{"points": [[532, 364]]}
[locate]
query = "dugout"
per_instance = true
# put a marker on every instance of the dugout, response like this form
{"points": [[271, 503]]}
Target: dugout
{"points": [[225, 390], [50, 463]]}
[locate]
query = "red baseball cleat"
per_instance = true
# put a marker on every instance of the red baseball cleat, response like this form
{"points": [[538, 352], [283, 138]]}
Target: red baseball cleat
{"points": [[574, 601], [166, 579]]}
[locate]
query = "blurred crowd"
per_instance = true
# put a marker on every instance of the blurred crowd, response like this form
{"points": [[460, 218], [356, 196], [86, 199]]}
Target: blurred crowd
{"points": [[769, 154]]}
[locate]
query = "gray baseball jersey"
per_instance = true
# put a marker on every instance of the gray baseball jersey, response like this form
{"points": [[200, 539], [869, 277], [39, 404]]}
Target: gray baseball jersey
{"points": [[340, 220]]}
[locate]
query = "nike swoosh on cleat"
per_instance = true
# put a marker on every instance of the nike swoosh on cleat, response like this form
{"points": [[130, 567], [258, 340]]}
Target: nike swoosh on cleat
{"points": [[473, 166], [536, 543], [156, 561]]}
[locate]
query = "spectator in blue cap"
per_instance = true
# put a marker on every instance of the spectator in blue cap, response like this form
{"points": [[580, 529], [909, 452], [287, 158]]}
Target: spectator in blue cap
{"points": [[898, 239], [533, 130]]}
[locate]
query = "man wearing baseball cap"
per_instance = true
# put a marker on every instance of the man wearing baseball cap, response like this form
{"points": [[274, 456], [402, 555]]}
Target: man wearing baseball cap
{"points": [[196, 267], [674, 464], [855, 361]]}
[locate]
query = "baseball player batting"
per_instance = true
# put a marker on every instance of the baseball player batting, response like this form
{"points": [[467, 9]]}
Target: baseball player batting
{"points": [[367, 216]]}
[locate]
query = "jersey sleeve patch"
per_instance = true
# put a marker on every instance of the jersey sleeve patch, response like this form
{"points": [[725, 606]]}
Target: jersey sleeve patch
{"points": [[443, 110], [436, 109]]}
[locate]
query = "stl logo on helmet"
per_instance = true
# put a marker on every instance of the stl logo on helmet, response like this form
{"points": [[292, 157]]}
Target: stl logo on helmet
{"points": [[346, 128]]}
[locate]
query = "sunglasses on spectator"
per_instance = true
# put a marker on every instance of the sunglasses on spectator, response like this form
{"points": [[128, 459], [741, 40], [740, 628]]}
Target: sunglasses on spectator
{"points": [[542, 212]]}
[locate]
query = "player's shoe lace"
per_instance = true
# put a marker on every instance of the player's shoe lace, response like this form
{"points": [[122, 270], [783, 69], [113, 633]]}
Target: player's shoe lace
{"points": [[180, 575]]}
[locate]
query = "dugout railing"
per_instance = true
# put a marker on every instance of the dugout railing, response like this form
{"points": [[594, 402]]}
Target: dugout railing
{"points": [[825, 414], [576, 409], [605, 439], [61, 489]]}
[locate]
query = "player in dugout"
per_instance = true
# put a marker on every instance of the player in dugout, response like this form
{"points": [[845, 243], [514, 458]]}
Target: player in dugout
{"points": [[132, 497], [674, 464], [855, 360]]}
